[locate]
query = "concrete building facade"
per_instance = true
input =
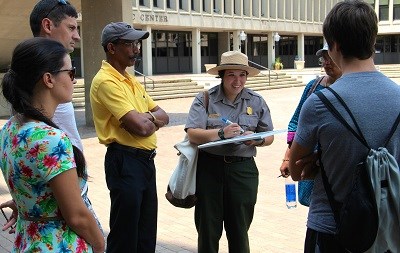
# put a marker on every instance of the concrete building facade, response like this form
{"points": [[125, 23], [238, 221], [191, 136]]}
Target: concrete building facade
{"points": [[187, 34]]}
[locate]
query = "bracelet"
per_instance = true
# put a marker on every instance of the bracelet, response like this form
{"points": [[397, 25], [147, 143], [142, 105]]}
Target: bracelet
{"points": [[261, 143], [285, 160], [152, 115]]}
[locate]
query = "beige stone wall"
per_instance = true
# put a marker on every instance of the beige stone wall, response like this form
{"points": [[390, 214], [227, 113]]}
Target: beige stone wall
{"points": [[4, 106]]}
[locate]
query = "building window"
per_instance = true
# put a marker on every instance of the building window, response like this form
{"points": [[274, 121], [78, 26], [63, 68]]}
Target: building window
{"points": [[312, 45], [383, 10], [169, 4], [180, 5], [236, 7], [259, 46], [396, 9], [207, 39], [141, 2], [371, 2], [155, 3], [192, 5]]}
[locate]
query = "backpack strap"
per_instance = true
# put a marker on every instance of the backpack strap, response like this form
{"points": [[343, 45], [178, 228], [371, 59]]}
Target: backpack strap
{"points": [[394, 127], [336, 113], [335, 205]]}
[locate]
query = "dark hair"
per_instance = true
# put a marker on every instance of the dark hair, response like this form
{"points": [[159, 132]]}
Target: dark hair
{"points": [[221, 74], [55, 10], [31, 59], [353, 25], [113, 42]]}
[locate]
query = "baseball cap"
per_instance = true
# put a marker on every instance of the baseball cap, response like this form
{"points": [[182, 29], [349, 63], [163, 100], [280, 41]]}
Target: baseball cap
{"points": [[121, 30], [325, 48]]}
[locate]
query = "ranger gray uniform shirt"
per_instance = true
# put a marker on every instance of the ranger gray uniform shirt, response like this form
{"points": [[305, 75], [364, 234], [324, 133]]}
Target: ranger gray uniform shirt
{"points": [[249, 110]]}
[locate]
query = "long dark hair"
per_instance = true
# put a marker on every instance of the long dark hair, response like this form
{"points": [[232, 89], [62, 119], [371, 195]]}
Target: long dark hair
{"points": [[31, 59]]}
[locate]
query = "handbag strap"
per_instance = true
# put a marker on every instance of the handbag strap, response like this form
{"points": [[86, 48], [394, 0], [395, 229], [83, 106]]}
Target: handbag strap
{"points": [[314, 86], [206, 100]]}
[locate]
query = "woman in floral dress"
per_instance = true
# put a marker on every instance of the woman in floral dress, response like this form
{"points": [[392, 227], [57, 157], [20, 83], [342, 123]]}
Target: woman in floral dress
{"points": [[38, 162]]}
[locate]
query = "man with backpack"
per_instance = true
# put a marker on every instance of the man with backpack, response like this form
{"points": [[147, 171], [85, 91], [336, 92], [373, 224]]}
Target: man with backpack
{"points": [[372, 99]]}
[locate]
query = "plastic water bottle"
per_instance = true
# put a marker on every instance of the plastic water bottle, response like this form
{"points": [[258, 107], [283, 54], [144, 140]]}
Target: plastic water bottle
{"points": [[290, 188]]}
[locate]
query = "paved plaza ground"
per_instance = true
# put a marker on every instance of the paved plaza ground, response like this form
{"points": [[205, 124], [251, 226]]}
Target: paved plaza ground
{"points": [[275, 228]]}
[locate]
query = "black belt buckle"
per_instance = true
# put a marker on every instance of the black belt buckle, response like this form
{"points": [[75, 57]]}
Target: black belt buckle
{"points": [[231, 159], [152, 154], [235, 159]]}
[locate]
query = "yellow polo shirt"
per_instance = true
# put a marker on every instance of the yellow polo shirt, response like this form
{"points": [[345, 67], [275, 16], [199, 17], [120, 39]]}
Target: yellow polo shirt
{"points": [[113, 95]]}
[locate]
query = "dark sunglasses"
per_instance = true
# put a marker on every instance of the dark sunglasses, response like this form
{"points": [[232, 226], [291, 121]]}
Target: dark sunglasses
{"points": [[59, 2], [71, 72]]}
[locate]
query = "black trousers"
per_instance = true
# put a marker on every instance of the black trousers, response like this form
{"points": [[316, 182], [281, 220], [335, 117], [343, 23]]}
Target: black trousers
{"points": [[131, 179], [317, 242]]}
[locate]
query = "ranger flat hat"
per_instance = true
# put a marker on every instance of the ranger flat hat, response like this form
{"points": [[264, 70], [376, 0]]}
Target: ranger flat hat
{"points": [[234, 60]]}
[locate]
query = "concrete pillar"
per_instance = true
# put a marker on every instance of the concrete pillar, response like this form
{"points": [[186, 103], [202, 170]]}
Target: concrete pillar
{"points": [[300, 46], [271, 49], [196, 45], [224, 41], [96, 15], [236, 40], [147, 54]]}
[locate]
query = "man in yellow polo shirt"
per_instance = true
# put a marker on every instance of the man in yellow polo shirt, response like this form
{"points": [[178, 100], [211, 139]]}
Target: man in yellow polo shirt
{"points": [[126, 119]]}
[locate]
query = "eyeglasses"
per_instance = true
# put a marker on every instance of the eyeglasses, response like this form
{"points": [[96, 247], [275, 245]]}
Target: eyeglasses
{"points": [[135, 43], [59, 2], [71, 72]]}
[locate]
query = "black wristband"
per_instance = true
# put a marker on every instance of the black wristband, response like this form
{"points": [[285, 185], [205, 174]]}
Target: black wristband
{"points": [[261, 143], [221, 134]]}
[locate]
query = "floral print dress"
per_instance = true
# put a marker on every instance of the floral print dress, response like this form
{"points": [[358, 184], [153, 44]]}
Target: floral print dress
{"points": [[31, 155]]}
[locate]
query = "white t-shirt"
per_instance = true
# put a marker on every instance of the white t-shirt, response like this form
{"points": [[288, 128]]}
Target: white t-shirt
{"points": [[64, 117]]}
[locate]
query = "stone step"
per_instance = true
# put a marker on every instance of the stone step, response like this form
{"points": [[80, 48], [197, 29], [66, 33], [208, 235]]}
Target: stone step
{"points": [[174, 96], [186, 87], [174, 92], [181, 86]]}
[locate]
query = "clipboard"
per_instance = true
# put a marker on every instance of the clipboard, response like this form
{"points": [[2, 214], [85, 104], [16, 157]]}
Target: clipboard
{"points": [[242, 138]]}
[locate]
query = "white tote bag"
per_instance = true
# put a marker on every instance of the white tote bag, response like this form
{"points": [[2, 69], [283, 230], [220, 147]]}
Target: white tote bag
{"points": [[182, 184]]}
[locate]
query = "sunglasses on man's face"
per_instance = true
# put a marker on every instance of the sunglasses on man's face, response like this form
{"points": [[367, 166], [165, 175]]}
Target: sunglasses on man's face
{"points": [[71, 72], [59, 2]]}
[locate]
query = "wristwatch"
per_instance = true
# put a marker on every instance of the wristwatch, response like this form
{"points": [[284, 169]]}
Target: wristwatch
{"points": [[221, 134]]}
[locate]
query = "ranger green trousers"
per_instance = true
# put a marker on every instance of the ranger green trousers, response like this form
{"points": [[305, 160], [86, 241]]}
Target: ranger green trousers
{"points": [[226, 188]]}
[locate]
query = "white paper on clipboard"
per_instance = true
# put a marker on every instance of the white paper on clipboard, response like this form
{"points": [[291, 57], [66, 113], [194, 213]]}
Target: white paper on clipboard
{"points": [[241, 138]]}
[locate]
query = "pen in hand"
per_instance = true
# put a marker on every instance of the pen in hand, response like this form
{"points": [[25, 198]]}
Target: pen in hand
{"points": [[227, 121]]}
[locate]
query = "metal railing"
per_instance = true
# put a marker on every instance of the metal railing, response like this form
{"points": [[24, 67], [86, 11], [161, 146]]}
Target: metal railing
{"points": [[269, 71], [144, 79]]}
